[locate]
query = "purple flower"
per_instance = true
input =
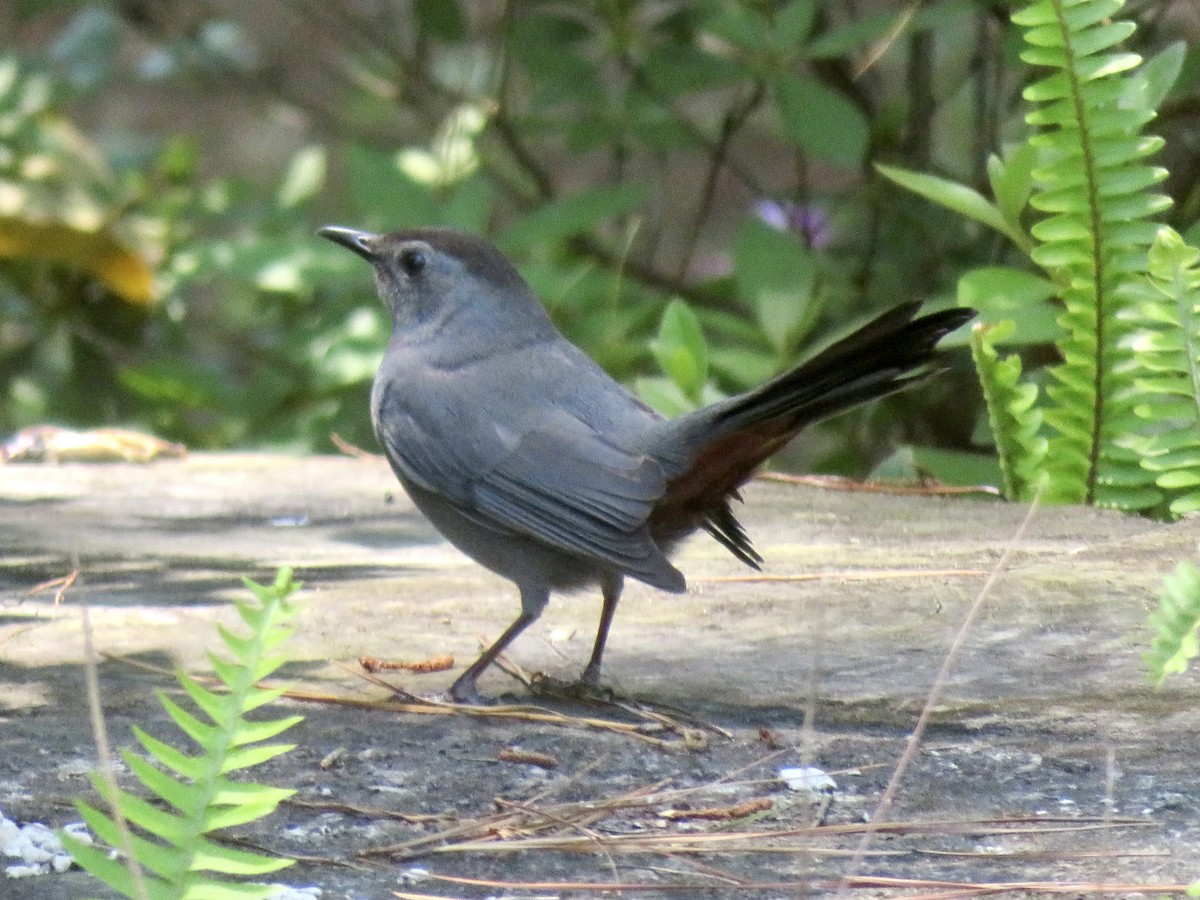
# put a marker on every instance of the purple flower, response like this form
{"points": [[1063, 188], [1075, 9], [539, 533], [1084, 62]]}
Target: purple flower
{"points": [[810, 222]]}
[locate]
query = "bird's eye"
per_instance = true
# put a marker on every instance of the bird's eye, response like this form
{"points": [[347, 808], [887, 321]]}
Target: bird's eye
{"points": [[413, 261]]}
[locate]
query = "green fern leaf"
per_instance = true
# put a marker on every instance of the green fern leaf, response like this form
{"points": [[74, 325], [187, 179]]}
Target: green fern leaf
{"points": [[1176, 624], [202, 734], [1168, 347], [210, 857], [209, 890], [162, 860], [1011, 405], [180, 794], [265, 801], [1095, 191], [113, 872], [171, 845], [216, 706], [253, 732], [247, 757]]}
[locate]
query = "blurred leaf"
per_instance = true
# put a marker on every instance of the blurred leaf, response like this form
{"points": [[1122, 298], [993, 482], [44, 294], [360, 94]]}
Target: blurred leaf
{"points": [[656, 126], [1011, 179], [441, 19], [304, 177], [1176, 624], [350, 352], [957, 197], [383, 197], [956, 467], [742, 368], [681, 350], [177, 383], [573, 215], [95, 253], [821, 121], [664, 396], [674, 68], [1160, 73], [794, 23], [592, 132], [469, 203], [843, 39], [86, 49], [545, 46], [1001, 293], [776, 274], [740, 26], [1191, 234], [178, 159]]}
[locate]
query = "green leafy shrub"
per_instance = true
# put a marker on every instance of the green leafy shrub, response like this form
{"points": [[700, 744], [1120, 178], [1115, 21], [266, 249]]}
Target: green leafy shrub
{"points": [[626, 155], [1087, 430]]}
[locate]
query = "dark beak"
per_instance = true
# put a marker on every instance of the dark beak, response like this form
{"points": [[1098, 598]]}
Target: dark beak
{"points": [[361, 242]]}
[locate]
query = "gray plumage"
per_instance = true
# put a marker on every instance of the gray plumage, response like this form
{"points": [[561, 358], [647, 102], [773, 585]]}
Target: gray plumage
{"points": [[530, 459]]}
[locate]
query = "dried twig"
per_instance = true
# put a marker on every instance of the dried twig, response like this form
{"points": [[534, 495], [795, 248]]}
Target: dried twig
{"points": [[62, 583], [844, 575], [440, 663], [883, 807], [898, 488]]}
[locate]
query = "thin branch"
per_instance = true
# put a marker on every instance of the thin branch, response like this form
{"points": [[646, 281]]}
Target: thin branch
{"points": [[730, 126], [879, 817]]}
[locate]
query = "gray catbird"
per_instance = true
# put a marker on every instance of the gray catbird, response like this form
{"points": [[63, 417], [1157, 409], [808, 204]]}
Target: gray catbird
{"points": [[534, 462]]}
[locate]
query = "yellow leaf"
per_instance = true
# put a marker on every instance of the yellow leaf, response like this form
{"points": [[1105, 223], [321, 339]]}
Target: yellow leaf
{"points": [[96, 253]]}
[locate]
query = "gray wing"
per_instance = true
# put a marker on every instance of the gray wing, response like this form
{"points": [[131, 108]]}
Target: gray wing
{"points": [[553, 478]]}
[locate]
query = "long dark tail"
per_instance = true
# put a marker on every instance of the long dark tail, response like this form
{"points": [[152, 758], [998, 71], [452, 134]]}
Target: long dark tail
{"points": [[723, 444], [884, 356]]}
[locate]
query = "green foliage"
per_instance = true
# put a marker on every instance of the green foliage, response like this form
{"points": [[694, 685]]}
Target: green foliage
{"points": [[681, 350], [964, 200], [1176, 624], [1084, 170], [569, 216], [1095, 189], [1168, 380], [626, 155], [776, 275], [74, 261], [195, 796], [1012, 410], [821, 120]]}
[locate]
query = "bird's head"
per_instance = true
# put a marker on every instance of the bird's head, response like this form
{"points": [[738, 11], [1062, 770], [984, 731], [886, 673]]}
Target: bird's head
{"points": [[432, 275]]}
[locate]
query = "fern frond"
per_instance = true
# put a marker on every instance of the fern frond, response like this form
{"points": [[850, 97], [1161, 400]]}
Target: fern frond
{"points": [[1011, 405], [171, 842], [1168, 347], [1094, 188], [1175, 624]]}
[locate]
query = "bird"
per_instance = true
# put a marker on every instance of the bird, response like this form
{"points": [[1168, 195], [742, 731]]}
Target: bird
{"points": [[532, 460]]}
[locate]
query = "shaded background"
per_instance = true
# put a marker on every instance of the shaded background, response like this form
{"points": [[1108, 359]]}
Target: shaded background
{"points": [[688, 186]]}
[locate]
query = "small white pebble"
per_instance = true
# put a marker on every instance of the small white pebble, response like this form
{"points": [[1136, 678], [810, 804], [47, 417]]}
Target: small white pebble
{"points": [[808, 778], [414, 875], [36, 847], [284, 892]]}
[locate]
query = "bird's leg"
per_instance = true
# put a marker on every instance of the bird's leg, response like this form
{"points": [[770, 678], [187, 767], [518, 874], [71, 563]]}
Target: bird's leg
{"points": [[611, 590], [463, 690]]}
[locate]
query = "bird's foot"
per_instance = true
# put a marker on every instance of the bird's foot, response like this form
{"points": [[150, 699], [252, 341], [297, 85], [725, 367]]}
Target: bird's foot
{"points": [[591, 674], [583, 690], [464, 691]]}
